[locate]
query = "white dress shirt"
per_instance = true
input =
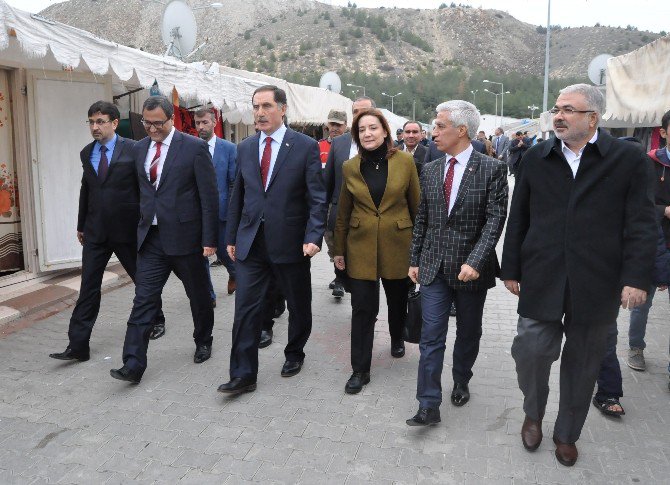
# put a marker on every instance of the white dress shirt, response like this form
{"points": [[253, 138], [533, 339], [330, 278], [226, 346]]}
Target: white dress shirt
{"points": [[353, 150], [459, 169], [277, 140], [574, 158], [411, 152], [165, 145], [212, 143]]}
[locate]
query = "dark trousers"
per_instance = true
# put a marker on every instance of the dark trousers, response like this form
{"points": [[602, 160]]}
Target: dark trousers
{"points": [[222, 253], [273, 301], [537, 346], [436, 301], [253, 278], [95, 257], [364, 310], [609, 379], [153, 270]]}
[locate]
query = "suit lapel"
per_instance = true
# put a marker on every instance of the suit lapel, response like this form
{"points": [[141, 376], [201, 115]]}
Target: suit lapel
{"points": [[356, 162], [143, 151], [470, 170], [173, 150], [86, 159], [256, 160], [286, 145], [118, 148]]}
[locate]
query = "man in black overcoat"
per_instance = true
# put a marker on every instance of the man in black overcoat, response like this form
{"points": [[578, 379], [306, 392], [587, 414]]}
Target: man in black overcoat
{"points": [[580, 241]]}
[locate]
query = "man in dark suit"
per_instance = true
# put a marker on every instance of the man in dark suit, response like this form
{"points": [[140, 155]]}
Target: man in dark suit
{"points": [[342, 149], [460, 219], [107, 222], [517, 149], [411, 145], [580, 241], [178, 226], [276, 220], [223, 155]]}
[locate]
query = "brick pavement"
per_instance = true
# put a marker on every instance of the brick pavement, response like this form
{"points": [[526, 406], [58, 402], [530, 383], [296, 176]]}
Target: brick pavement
{"points": [[73, 423]]}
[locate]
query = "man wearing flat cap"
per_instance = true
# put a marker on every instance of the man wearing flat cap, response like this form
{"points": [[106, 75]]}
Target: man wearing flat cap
{"points": [[337, 125]]}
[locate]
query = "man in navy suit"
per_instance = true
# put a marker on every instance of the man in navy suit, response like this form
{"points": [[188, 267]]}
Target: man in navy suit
{"points": [[223, 157], [107, 221], [178, 226], [276, 221]]}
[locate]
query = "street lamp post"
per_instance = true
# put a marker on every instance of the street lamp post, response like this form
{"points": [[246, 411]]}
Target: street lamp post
{"points": [[391, 96], [357, 86], [545, 93], [532, 109], [474, 96], [495, 113], [502, 98]]}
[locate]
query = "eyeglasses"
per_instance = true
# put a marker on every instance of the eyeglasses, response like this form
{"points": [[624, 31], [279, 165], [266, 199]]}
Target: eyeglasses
{"points": [[98, 122], [156, 124], [569, 111]]}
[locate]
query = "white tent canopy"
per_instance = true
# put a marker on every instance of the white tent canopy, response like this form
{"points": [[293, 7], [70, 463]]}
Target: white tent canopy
{"points": [[638, 86]]}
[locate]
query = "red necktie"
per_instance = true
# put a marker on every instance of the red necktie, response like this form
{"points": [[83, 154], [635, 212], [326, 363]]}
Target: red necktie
{"points": [[449, 181], [104, 163], [265, 160], [153, 168]]}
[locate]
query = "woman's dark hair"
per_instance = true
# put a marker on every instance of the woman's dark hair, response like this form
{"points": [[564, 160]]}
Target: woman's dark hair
{"points": [[391, 148]]}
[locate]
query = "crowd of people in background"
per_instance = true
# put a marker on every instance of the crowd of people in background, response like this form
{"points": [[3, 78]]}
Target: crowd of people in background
{"points": [[584, 237]]}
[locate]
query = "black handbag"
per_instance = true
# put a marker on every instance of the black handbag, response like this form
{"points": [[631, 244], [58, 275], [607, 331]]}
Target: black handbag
{"points": [[414, 319]]}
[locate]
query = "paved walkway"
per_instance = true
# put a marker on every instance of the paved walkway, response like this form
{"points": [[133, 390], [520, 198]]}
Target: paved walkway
{"points": [[73, 423]]}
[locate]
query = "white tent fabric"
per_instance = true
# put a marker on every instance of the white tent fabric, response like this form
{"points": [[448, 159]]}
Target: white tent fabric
{"points": [[394, 121], [33, 40], [638, 88], [306, 104]]}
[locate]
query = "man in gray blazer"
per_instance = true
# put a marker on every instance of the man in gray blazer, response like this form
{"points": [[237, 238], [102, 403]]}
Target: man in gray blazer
{"points": [[500, 144], [461, 216], [342, 149]]}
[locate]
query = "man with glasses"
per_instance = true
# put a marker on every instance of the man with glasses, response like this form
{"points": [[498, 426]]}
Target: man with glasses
{"points": [[178, 226], [107, 221], [581, 239], [412, 137]]}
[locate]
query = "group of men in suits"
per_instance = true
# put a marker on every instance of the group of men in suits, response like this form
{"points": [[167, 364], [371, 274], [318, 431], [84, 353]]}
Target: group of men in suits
{"points": [[580, 241]]}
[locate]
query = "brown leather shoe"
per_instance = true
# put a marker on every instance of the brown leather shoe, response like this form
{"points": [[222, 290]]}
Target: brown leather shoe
{"points": [[232, 286], [566, 453], [531, 433]]}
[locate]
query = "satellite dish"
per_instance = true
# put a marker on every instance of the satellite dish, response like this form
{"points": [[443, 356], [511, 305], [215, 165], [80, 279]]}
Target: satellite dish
{"points": [[331, 81], [598, 69], [179, 29]]}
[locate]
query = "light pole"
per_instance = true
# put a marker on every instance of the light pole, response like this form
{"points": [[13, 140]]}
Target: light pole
{"points": [[532, 109], [495, 113], [474, 96], [545, 93], [391, 96], [502, 98], [357, 86]]}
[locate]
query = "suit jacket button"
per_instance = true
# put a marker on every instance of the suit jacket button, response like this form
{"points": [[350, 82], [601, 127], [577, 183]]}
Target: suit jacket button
{"points": [[376, 214]]}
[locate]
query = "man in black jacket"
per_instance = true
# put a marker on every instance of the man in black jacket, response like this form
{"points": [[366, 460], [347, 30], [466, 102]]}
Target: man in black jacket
{"points": [[107, 221], [580, 241]]}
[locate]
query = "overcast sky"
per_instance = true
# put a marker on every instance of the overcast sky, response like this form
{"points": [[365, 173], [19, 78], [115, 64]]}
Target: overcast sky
{"points": [[644, 14]]}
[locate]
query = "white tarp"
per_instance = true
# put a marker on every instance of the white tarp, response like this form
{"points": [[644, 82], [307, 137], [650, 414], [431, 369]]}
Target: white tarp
{"points": [[638, 86], [37, 43]]}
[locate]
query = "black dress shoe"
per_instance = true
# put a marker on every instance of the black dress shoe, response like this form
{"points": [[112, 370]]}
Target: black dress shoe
{"points": [[291, 368], [356, 382], [331, 285], [237, 385], [397, 348], [338, 290], [216, 263], [202, 353], [70, 354], [266, 339], [213, 302], [157, 331], [460, 395], [280, 308], [425, 417], [126, 374]]}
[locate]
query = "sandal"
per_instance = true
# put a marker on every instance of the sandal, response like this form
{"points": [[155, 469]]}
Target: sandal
{"points": [[605, 405]]}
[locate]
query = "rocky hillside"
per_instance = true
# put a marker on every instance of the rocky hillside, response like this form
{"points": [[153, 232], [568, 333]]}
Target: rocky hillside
{"points": [[285, 36]]}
